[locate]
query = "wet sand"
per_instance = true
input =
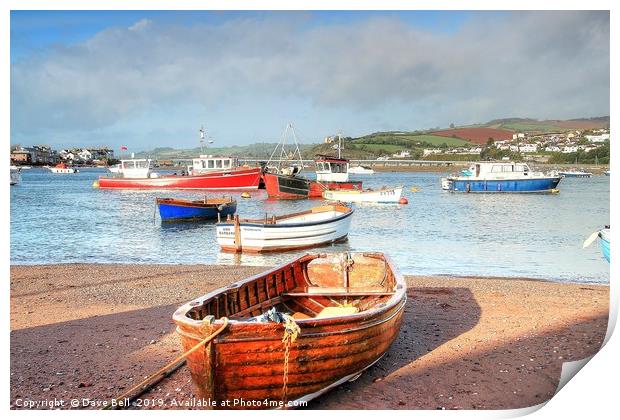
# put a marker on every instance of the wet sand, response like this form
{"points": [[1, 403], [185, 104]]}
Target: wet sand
{"points": [[92, 331]]}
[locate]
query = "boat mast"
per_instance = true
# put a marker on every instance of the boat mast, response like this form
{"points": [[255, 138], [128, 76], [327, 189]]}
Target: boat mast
{"points": [[281, 146]]}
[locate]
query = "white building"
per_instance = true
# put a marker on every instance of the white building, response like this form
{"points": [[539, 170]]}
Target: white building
{"points": [[528, 148], [570, 149], [601, 138], [552, 149], [85, 155], [403, 154], [428, 152]]}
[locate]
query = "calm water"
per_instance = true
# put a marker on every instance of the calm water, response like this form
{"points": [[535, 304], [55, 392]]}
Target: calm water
{"points": [[62, 219]]}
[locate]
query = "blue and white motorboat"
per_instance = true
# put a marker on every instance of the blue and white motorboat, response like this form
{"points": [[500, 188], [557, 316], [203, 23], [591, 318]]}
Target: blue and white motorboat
{"points": [[501, 177]]}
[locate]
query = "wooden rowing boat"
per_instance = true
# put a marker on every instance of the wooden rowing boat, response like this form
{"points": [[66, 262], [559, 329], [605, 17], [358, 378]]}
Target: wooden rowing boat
{"points": [[347, 310], [178, 210], [315, 227]]}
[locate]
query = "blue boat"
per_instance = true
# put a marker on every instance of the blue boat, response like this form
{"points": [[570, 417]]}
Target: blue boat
{"points": [[176, 210], [604, 237], [501, 177]]}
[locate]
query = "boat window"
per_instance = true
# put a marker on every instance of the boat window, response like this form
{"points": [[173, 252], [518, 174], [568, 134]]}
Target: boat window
{"points": [[204, 164], [508, 168], [496, 168], [519, 168], [477, 170], [320, 166], [142, 164], [211, 166], [226, 163], [218, 163], [339, 168], [127, 165]]}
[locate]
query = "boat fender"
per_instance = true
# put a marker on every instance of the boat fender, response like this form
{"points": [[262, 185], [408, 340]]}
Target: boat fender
{"points": [[220, 208], [467, 187], [403, 200], [96, 184], [245, 195]]}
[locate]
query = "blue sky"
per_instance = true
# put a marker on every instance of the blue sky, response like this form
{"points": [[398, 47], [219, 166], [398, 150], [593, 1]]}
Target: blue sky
{"points": [[151, 78]]}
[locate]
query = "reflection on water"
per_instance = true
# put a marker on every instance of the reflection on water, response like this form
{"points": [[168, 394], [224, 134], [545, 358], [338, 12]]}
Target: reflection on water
{"points": [[61, 218]]}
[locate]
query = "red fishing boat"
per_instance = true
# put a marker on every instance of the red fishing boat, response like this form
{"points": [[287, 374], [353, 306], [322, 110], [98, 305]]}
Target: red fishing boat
{"points": [[206, 173], [332, 173], [293, 332]]}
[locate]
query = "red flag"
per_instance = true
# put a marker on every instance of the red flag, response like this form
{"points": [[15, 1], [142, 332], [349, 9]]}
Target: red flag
{"points": [[123, 147]]}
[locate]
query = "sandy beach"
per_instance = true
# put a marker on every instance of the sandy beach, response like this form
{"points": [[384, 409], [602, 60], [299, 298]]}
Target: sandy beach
{"points": [[91, 331]]}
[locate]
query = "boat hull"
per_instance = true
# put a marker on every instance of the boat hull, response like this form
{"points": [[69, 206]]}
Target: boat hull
{"points": [[384, 196], [286, 187], [243, 179], [246, 362], [257, 238], [63, 170], [535, 185], [604, 243], [181, 212]]}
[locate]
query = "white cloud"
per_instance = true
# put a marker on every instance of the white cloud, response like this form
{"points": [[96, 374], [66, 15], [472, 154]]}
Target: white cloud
{"points": [[540, 64]]}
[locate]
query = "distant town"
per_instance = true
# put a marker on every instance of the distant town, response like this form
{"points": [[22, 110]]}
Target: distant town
{"points": [[45, 155], [499, 141]]}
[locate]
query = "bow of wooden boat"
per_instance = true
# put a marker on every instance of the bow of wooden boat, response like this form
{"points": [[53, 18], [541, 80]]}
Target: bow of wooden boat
{"points": [[348, 310]]}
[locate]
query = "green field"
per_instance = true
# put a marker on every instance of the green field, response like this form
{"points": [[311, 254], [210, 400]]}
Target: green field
{"points": [[532, 127], [437, 140], [408, 140]]}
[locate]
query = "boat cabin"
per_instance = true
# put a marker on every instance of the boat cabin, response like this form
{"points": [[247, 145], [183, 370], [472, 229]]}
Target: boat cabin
{"points": [[209, 163], [496, 169], [331, 169], [136, 168]]}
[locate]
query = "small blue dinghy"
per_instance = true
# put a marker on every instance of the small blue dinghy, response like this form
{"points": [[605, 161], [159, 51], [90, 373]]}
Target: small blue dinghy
{"points": [[604, 237], [177, 210]]}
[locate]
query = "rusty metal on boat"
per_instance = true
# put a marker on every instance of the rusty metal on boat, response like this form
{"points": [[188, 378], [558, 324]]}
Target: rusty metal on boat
{"points": [[293, 332]]}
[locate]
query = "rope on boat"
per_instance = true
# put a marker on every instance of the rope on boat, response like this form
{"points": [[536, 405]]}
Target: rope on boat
{"points": [[291, 331], [137, 390]]}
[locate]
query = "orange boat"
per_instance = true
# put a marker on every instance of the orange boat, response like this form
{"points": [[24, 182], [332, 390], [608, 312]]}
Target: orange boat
{"points": [[294, 332]]}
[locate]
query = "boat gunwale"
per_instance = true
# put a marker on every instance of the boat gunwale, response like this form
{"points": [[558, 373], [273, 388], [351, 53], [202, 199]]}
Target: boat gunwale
{"points": [[211, 202], [400, 287], [344, 192], [261, 222]]}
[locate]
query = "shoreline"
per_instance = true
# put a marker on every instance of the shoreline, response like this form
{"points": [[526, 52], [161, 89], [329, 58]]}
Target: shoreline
{"points": [[263, 267], [92, 331]]}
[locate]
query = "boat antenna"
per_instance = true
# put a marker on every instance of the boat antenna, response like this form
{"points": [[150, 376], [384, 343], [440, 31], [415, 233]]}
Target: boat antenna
{"points": [[202, 139]]}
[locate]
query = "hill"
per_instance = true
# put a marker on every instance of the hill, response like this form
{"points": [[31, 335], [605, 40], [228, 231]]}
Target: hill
{"points": [[547, 126]]}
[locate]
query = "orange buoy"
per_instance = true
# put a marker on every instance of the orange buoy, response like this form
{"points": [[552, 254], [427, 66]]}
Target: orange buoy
{"points": [[403, 200]]}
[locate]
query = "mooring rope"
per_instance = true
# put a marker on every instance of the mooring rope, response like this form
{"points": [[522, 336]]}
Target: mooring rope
{"points": [[163, 372], [291, 331]]}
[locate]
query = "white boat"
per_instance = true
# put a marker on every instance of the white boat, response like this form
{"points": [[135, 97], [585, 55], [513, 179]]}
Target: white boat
{"points": [[61, 168], [383, 195], [16, 176], [575, 174], [361, 170], [315, 227], [607, 173], [115, 169]]}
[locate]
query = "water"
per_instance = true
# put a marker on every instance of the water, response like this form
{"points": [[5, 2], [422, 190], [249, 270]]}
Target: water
{"points": [[62, 219]]}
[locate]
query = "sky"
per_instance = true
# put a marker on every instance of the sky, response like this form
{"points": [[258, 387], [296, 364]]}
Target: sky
{"points": [[149, 79]]}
